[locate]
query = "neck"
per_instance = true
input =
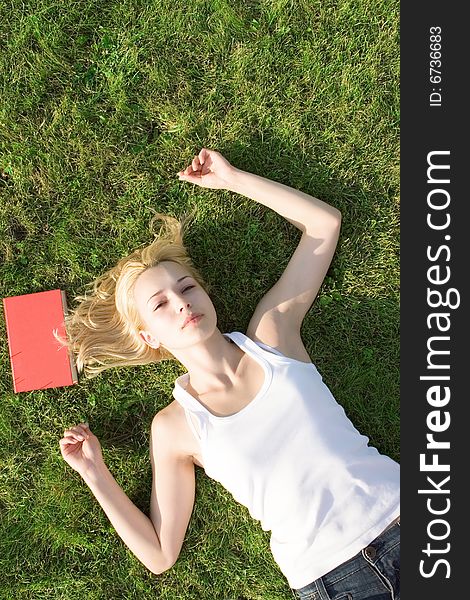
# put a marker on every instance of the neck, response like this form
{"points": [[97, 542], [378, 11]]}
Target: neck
{"points": [[212, 364]]}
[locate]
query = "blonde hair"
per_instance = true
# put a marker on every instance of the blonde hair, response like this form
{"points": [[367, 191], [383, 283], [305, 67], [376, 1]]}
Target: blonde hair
{"points": [[103, 331]]}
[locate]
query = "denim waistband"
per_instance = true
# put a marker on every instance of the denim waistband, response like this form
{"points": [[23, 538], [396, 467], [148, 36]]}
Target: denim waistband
{"points": [[373, 553]]}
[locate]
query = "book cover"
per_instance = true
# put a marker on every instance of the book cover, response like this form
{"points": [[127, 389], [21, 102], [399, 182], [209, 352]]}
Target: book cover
{"points": [[38, 361]]}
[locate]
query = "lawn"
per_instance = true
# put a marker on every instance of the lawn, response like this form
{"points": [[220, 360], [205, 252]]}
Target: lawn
{"points": [[102, 103]]}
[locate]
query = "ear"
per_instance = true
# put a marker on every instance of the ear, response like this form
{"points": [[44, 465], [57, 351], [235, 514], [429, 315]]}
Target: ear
{"points": [[149, 339]]}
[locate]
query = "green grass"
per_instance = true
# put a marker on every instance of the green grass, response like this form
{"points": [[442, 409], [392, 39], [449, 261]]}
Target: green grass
{"points": [[102, 103]]}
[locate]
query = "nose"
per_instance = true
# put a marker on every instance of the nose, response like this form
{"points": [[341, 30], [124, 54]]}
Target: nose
{"points": [[185, 305]]}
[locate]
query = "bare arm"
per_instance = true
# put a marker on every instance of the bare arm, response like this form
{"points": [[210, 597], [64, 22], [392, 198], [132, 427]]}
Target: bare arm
{"points": [[279, 314], [155, 541], [306, 212], [211, 170], [135, 528], [173, 486]]}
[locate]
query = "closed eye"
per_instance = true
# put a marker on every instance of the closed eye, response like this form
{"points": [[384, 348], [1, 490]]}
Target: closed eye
{"points": [[188, 287]]}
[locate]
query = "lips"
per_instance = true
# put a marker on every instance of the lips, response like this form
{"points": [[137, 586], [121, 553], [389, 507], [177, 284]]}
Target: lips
{"points": [[190, 318]]}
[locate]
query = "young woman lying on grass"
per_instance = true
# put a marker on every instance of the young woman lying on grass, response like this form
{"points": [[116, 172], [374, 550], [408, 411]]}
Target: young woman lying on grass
{"points": [[252, 409]]}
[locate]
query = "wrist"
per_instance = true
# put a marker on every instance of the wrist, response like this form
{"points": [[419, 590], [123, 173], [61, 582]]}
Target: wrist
{"points": [[233, 179], [94, 473], [244, 182]]}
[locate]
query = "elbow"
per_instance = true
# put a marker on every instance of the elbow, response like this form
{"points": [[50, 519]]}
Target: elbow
{"points": [[162, 566], [330, 221], [336, 216], [158, 569], [334, 221]]}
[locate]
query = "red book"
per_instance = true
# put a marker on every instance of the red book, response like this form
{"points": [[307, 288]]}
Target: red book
{"points": [[38, 361]]}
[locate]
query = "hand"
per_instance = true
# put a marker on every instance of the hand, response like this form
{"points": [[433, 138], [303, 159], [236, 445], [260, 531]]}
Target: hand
{"points": [[81, 449], [209, 169]]}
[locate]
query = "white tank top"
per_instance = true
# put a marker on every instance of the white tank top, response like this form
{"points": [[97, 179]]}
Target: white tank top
{"points": [[295, 460]]}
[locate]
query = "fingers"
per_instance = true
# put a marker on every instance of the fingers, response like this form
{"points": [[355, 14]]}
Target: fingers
{"points": [[66, 443], [196, 164], [188, 171], [194, 167], [78, 433], [205, 160]]}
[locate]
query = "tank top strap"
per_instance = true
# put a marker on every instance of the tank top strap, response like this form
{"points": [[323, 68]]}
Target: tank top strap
{"points": [[257, 347], [192, 408], [183, 397], [199, 428], [270, 349]]}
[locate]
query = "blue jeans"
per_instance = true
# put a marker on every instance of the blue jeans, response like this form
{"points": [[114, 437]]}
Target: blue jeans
{"points": [[373, 574]]}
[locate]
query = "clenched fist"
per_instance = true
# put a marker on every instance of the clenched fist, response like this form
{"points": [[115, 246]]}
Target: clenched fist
{"points": [[209, 169], [81, 449]]}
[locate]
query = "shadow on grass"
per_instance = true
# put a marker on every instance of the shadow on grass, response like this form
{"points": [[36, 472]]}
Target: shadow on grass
{"points": [[352, 336]]}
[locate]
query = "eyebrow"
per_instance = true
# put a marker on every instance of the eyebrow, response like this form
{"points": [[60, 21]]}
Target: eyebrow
{"points": [[160, 291]]}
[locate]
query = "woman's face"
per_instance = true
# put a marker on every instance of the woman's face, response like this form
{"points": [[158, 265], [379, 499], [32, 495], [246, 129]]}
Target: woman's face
{"points": [[166, 295]]}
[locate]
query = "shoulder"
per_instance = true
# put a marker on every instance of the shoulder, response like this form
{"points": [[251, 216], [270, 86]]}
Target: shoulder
{"points": [[169, 414], [276, 333], [170, 428]]}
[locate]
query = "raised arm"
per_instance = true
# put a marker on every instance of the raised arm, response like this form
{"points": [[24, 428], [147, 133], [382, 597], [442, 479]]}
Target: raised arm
{"points": [[279, 314], [210, 169], [155, 541]]}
